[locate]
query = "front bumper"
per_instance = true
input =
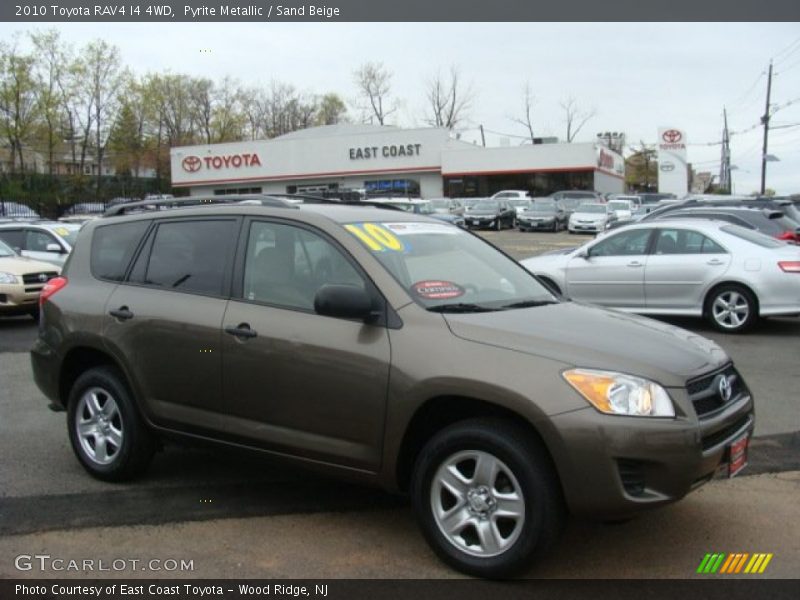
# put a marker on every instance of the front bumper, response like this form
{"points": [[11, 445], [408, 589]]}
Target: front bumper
{"points": [[613, 466], [14, 299], [524, 223], [587, 227]]}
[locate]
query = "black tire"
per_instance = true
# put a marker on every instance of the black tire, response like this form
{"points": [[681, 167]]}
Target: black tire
{"points": [[743, 315], [124, 460], [532, 476]]}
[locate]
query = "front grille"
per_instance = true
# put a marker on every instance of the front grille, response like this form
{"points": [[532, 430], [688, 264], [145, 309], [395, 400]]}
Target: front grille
{"points": [[36, 278], [631, 473], [705, 395], [720, 436]]}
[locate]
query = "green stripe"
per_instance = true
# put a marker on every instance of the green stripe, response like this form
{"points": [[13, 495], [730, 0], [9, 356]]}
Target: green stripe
{"points": [[718, 564], [703, 564]]}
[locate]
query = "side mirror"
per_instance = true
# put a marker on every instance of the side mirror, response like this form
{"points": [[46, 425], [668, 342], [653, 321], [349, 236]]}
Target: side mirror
{"points": [[53, 248], [343, 302]]}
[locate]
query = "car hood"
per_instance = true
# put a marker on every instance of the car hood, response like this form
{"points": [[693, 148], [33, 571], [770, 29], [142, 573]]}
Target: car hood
{"points": [[592, 337], [21, 265], [482, 213], [589, 216]]}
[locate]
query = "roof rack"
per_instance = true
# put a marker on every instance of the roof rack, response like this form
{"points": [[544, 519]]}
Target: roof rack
{"points": [[166, 203]]}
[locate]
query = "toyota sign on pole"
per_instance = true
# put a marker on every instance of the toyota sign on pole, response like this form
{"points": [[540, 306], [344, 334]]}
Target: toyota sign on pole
{"points": [[673, 172]]}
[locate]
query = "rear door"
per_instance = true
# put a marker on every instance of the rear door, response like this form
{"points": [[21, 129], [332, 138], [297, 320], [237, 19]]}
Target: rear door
{"points": [[298, 382], [167, 318], [612, 273], [682, 264]]}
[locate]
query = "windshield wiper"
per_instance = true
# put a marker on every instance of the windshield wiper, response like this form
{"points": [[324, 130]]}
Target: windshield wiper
{"points": [[528, 303], [461, 307]]}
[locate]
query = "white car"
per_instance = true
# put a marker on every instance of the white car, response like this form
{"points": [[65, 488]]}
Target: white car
{"points": [[590, 218], [41, 240], [724, 272], [623, 209]]}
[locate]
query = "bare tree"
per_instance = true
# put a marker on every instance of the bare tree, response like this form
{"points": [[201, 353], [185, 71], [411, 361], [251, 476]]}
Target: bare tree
{"points": [[575, 117], [106, 76], [448, 100], [526, 120], [48, 72], [374, 87], [18, 99]]}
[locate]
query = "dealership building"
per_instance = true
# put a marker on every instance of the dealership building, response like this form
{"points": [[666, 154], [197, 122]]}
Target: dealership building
{"points": [[425, 162]]}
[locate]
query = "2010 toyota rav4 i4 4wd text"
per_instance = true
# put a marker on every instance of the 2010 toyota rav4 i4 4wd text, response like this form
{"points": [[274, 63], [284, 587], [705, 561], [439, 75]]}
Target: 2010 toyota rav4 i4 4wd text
{"points": [[388, 348]]}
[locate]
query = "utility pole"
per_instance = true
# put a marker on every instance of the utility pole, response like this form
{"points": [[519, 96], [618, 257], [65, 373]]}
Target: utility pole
{"points": [[725, 159], [765, 121]]}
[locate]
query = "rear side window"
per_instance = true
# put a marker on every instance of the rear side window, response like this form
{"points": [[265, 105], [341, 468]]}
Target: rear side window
{"points": [[188, 256], [12, 237], [113, 247]]}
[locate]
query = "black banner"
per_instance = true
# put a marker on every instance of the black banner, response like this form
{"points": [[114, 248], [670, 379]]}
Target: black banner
{"points": [[41, 11]]}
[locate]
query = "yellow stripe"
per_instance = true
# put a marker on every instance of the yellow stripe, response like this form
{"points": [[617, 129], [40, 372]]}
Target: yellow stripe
{"points": [[765, 563], [741, 562], [724, 568], [753, 562]]}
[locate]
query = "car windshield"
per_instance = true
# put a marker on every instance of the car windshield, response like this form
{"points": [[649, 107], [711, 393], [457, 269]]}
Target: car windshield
{"points": [[543, 207], [449, 270], [69, 234], [591, 208], [6, 250], [486, 205]]}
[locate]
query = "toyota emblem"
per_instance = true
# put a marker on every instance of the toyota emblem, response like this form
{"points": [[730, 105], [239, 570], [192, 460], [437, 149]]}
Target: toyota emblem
{"points": [[672, 136], [725, 389], [191, 164]]}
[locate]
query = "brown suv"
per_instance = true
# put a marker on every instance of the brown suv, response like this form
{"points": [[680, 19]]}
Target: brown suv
{"points": [[382, 347]]}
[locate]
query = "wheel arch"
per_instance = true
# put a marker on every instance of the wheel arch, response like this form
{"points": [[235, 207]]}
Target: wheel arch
{"points": [[442, 411], [736, 282]]}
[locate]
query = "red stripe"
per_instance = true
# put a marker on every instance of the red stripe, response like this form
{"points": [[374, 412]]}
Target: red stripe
{"points": [[309, 175]]}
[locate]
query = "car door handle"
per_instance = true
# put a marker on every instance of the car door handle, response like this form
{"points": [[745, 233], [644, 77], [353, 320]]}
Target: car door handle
{"points": [[715, 262], [242, 330], [123, 313], [635, 263]]}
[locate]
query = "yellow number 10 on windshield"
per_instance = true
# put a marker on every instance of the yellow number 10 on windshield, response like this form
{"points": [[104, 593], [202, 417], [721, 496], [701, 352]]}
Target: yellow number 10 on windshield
{"points": [[375, 237]]}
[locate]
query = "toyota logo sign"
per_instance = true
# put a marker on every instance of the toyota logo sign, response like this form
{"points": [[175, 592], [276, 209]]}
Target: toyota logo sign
{"points": [[672, 136], [191, 164], [725, 388]]}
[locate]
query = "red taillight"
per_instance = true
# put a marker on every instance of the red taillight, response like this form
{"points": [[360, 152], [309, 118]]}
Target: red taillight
{"points": [[789, 266], [51, 287]]}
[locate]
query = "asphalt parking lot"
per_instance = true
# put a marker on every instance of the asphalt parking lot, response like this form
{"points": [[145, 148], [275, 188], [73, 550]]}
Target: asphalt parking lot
{"points": [[238, 516]]}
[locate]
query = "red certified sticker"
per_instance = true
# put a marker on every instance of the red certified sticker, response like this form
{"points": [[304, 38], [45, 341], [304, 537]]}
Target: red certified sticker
{"points": [[437, 290]]}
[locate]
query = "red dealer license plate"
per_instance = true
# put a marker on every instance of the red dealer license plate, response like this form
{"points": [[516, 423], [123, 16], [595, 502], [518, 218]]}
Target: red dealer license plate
{"points": [[737, 455]]}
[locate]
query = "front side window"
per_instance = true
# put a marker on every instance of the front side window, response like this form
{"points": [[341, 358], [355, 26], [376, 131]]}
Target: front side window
{"points": [[627, 243], [189, 256], [36, 241], [446, 268], [286, 265]]}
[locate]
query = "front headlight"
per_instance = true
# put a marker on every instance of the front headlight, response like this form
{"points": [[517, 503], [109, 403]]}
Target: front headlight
{"points": [[621, 394], [7, 277]]}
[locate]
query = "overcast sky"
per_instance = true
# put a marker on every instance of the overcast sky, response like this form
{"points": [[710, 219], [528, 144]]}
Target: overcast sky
{"points": [[636, 77]]}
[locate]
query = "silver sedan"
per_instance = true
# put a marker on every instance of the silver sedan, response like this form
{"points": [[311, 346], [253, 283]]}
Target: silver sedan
{"points": [[726, 273]]}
